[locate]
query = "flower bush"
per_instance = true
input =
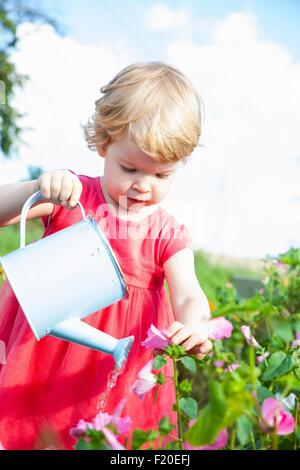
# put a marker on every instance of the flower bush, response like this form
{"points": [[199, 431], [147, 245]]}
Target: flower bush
{"points": [[248, 397]]}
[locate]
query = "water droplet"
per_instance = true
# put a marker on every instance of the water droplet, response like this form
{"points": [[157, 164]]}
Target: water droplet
{"points": [[111, 383]]}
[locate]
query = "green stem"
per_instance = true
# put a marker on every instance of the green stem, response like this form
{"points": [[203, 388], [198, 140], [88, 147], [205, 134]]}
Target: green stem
{"points": [[268, 328], [179, 419], [252, 440], [274, 439], [232, 439], [252, 366], [296, 423]]}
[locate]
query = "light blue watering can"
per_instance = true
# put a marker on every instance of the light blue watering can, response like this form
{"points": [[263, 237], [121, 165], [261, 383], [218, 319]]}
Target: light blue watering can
{"points": [[64, 277]]}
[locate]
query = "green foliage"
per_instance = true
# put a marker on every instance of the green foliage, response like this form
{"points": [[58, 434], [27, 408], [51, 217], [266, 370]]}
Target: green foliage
{"points": [[12, 14], [189, 363], [10, 238], [94, 440], [140, 437], [244, 428], [189, 406], [279, 364], [210, 419], [165, 426]]}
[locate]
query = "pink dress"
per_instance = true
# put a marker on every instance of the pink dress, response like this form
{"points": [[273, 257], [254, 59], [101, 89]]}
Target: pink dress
{"points": [[47, 386]]}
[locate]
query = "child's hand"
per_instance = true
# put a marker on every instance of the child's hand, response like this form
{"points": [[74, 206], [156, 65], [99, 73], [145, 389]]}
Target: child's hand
{"points": [[194, 340], [60, 186]]}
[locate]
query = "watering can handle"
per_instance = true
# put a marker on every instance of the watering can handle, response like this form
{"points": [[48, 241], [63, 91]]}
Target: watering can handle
{"points": [[31, 200]]}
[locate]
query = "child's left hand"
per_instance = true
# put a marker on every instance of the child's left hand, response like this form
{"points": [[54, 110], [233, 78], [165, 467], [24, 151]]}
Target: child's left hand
{"points": [[194, 340]]}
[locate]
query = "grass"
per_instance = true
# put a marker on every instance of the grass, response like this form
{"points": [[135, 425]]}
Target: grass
{"points": [[10, 236], [209, 275]]}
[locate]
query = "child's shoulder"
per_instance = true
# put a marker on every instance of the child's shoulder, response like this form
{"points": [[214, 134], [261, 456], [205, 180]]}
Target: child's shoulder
{"points": [[173, 236], [168, 221]]}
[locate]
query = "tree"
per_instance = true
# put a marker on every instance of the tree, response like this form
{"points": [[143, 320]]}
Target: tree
{"points": [[12, 14]]}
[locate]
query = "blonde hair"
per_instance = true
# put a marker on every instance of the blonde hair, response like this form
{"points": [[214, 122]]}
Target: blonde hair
{"points": [[155, 104]]}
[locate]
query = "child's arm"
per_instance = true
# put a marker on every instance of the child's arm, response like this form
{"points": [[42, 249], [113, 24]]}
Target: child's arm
{"points": [[189, 303], [56, 186]]}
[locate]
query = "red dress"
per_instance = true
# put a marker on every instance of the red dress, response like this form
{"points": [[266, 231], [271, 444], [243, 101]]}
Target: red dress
{"points": [[46, 386]]}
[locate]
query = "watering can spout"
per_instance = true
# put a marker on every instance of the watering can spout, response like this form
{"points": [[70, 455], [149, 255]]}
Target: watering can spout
{"points": [[77, 331]]}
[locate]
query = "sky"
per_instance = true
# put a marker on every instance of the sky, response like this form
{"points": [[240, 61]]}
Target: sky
{"points": [[239, 194]]}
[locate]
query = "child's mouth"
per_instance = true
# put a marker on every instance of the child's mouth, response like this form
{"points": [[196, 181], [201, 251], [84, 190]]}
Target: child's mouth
{"points": [[136, 201]]}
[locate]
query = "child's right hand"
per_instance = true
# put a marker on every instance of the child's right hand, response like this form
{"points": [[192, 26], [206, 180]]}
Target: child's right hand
{"points": [[60, 187]]}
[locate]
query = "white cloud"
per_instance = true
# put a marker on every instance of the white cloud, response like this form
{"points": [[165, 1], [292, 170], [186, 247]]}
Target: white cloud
{"points": [[239, 194], [248, 171], [238, 28], [160, 17], [65, 79]]}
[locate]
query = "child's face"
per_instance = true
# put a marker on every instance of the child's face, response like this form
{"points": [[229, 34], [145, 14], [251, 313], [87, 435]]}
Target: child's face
{"points": [[133, 180]]}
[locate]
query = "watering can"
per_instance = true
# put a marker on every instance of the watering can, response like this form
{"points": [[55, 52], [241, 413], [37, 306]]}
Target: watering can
{"points": [[64, 277]]}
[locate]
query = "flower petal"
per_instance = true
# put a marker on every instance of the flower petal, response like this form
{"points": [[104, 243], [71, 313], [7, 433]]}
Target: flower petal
{"points": [[155, 339], [248, 336], [112, 440], [220, 328]]}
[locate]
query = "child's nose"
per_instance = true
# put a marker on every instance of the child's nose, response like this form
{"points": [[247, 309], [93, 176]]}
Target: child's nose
{"points": [[142, 185]]}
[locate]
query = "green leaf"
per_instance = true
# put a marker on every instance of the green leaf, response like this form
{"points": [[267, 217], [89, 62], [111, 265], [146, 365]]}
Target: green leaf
{"points": [[211, 418], [281, 328], [279, 364], [291, 257], [159, 361], [263, 393], [189, 363], [237, 405], [243, 430], [189, 406], [160, 378], [139, 437], [165, 426], [81, 444]]}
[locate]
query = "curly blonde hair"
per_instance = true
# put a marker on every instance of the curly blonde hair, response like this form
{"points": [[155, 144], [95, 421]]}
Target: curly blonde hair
{"points": [[155, 104]]}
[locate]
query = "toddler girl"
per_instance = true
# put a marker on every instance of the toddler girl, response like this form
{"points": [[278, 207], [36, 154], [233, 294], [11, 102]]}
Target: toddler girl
{"points": [[146, 124]]}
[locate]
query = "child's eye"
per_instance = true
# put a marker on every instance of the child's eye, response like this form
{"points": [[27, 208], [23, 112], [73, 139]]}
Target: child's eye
{"points": [[158, 175], [129, 170]]}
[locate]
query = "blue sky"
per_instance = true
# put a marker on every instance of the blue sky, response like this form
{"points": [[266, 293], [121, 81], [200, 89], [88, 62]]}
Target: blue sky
{"points": [[92, 20]]}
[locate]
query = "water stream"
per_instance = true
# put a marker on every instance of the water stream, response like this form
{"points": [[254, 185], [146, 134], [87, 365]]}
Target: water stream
{"points": [[111, 382]]}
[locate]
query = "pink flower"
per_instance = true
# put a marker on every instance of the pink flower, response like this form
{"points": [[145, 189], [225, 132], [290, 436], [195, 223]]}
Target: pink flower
{"points": [[248, 336], [1, 446], [156, 339], [232, 367], [100, 423], [261, 357], [273, 413], [296, 341], [220, 442], [219, 363], [220, 328], [112, 440], [80, 429], [146, 380]]}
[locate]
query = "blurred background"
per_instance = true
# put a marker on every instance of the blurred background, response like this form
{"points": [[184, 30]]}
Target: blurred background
{"points": [[240, 193]]}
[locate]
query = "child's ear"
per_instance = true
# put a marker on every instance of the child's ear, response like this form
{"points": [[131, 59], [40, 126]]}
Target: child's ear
{"points": [[102, 148]]}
